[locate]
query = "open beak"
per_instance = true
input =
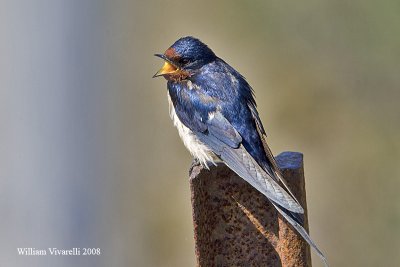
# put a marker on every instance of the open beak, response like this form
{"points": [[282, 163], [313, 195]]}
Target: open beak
{"points": [[167, 68]]}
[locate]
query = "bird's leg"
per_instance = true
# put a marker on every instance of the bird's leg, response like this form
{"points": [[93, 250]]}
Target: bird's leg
{"points": [[196, 161]]}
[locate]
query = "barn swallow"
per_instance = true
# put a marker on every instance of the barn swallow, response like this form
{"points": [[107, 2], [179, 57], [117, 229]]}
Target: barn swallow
{"points": [[214, 109]]}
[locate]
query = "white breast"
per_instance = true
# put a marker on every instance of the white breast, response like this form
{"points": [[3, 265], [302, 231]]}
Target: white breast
{"points": [[191, 142]]}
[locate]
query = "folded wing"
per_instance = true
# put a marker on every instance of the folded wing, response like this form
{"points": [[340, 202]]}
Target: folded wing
{"points": [[226, 142]]}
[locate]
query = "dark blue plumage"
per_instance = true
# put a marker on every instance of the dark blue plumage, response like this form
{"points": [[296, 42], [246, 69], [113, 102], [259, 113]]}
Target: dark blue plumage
{"points": [[220, 86], [213, 107]]}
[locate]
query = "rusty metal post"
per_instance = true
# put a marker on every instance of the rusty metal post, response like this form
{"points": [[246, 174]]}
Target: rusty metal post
{"points": [[235, 225]]}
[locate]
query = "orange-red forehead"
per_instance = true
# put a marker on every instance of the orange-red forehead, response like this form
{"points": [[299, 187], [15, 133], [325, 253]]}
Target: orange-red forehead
{"points": [[171, 53]]}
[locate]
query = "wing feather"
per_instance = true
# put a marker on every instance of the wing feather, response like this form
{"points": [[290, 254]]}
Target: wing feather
{"points": [[273, 166], [224, 141]]}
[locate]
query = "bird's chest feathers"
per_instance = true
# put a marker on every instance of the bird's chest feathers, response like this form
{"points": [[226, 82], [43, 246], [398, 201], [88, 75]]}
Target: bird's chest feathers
{"points": [[191, 142]]}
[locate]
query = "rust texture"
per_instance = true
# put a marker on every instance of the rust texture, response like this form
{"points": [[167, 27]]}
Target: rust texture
{"points": [[235, 225]]}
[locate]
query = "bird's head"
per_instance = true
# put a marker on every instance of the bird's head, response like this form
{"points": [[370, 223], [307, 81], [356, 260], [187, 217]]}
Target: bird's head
{"points": [[184, 57]]}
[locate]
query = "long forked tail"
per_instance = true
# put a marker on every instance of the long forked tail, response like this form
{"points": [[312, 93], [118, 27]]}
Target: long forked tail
{"points": [[243, 164], [291, 218], [295, 219]]}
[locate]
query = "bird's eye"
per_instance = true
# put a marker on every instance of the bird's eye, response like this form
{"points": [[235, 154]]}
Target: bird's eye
{"points": [[183, 61]]}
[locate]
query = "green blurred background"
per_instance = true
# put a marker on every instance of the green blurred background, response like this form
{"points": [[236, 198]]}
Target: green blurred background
{"points": [[89, 156]]}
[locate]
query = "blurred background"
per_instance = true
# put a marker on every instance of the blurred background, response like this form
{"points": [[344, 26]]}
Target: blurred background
{"points": [[89, 156]]}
